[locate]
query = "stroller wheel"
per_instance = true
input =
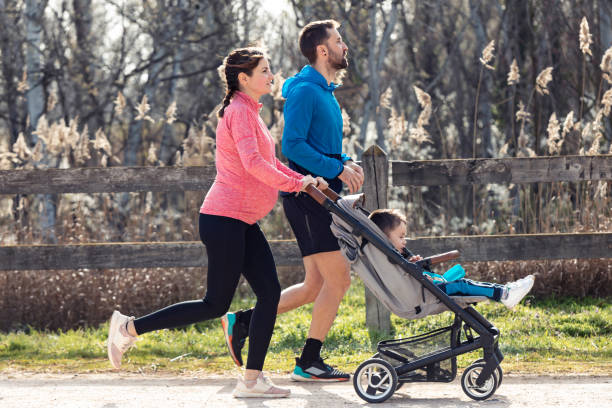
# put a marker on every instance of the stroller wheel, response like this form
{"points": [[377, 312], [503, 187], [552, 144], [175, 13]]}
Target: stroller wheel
{"points": [[399, 383], [473, 390], [375, 380], [498, 371]]}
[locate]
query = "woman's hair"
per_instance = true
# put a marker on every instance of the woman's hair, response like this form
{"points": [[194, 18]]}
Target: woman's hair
{"points": [[239, 60], [387, 219], [313, 35]]}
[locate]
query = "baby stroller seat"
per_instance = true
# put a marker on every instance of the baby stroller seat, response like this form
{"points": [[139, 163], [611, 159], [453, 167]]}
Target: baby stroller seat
{"points": [[401, 294], [401, 286]]}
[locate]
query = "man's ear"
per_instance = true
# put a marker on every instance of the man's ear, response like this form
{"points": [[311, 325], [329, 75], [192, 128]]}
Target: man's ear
{"points": [[322, 50]]}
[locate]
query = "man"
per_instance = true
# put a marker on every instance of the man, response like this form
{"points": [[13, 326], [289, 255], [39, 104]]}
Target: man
{"points": [[312, 141]]}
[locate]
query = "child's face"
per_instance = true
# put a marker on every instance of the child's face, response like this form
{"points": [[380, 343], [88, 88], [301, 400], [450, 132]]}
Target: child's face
{"points": [[398, 236]]}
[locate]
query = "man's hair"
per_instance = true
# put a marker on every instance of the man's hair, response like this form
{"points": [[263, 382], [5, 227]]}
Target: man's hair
{"points": [[313, 35], [387, 219]]}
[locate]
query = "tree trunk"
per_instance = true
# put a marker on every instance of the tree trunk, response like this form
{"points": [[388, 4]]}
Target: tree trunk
{"points": [[376, 57], [165, 150], [10, 56], [34, 12], [35, 96], [605, 24], [484, 104], [86, 99]]}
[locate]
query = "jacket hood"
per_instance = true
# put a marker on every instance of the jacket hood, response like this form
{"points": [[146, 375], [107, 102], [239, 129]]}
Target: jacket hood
{"points": [[307, 74]]}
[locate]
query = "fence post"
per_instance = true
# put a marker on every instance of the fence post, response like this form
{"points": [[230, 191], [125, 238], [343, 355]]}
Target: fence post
{"points": [[376, 171]]}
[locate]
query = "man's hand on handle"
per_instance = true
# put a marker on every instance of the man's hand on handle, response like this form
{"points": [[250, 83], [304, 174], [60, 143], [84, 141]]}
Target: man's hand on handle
{"points": [[352, 176], [355, 167]]}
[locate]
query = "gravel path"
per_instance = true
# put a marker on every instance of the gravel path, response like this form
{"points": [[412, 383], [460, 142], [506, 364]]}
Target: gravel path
{"points": [[20, 390]]}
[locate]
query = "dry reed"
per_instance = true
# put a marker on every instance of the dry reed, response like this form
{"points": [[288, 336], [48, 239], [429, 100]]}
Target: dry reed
{"points": [[513, 76]]}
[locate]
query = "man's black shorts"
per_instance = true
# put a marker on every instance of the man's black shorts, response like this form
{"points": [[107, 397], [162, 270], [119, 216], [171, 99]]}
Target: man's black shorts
{"points": [[310, 223]]}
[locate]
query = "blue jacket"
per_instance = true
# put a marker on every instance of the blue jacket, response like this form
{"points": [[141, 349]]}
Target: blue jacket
{"points": [[312, 137]]}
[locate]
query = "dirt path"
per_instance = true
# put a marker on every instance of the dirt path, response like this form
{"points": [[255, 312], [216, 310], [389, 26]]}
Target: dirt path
{"points": [[125, 391]]}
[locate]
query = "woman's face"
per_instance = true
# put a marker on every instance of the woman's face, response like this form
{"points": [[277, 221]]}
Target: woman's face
{"points": [[260, 81], [397, 236]]}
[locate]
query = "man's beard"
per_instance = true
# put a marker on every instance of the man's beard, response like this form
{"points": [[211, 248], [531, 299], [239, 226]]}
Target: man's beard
{"points": [[337, 61]]}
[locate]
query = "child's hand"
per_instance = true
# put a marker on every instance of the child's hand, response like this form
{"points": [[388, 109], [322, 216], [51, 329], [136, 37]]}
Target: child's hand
{"points": [[415, 258]]}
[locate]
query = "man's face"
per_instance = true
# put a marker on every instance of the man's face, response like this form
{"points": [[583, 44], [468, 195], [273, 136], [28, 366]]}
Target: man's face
{"points": [[337, 50]]}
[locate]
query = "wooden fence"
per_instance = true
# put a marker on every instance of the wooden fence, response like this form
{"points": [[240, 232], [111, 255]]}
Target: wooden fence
{"points": [[376, 167]]}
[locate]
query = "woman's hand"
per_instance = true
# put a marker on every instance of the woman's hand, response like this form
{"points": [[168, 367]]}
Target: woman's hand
{"points": [[321, 183], [306, 180]]}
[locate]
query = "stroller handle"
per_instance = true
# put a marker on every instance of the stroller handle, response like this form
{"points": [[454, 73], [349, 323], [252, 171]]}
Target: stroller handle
{"points": [[446, 256], [321, 195]]}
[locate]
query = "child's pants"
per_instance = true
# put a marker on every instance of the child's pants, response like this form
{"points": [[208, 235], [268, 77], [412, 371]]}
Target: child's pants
{"points": [[467, 287]]}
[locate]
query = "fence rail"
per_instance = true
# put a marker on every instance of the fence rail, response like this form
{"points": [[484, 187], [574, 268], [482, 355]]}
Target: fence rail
{"points": [[124, 255], [512, 170], [106, 180], [404, 173], [286, 252]]}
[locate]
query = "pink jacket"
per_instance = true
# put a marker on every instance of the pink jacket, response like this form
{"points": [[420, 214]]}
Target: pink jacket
{"points": [[249, 175]]}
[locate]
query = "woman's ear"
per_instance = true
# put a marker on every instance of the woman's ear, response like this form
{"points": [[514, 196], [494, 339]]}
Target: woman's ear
{"points": [[243, 78]]}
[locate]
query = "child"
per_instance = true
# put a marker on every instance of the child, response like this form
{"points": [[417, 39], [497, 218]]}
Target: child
{"points": [[393, 224]]}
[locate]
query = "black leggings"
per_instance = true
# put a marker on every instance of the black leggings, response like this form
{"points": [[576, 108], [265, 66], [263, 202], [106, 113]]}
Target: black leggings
{"points": [[233, 247]]}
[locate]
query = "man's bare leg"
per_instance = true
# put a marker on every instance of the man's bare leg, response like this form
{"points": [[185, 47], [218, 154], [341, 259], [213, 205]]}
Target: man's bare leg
{"points": [[302, 293], [335, 272]]}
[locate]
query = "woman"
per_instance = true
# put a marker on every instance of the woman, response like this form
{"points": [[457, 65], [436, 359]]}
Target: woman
{"points": [[245, 190]]}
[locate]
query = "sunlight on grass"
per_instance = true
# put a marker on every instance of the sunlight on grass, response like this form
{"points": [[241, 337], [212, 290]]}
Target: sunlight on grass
{"points": [[550, 336]]}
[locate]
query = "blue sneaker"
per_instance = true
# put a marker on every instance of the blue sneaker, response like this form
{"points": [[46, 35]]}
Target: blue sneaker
{"points": [[317, 371], [235, 336]]}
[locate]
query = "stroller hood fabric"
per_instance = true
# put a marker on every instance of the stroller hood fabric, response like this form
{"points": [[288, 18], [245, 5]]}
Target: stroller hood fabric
{"points": [[393, 286]]}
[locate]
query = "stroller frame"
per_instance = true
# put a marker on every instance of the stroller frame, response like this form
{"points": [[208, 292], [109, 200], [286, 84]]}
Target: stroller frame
{"points": [[469, 319]]}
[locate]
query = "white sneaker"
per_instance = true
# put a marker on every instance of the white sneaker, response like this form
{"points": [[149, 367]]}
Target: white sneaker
{"points": [[516, 291], [119, 340], [263, 388]]}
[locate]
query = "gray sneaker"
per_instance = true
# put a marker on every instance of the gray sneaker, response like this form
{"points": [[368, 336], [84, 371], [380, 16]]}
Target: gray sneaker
{"points": [[516, 291], [262, 388], [119, 340]]}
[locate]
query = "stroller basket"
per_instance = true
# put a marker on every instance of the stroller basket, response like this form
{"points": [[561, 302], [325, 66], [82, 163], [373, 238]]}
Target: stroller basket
{"points": [[402, 351]]}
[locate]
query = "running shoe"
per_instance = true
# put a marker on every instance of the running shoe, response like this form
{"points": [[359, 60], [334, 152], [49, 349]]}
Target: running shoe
{"points": [[317, 371], [516, 291], [119, 340], [263, 388], [235, 336]]}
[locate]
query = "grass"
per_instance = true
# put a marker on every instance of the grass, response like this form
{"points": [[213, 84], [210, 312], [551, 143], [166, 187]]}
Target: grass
{"points": [[545, 336]]}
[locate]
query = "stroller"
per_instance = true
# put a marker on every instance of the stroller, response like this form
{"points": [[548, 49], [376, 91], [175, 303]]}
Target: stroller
{"points": [[401, 286]]}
